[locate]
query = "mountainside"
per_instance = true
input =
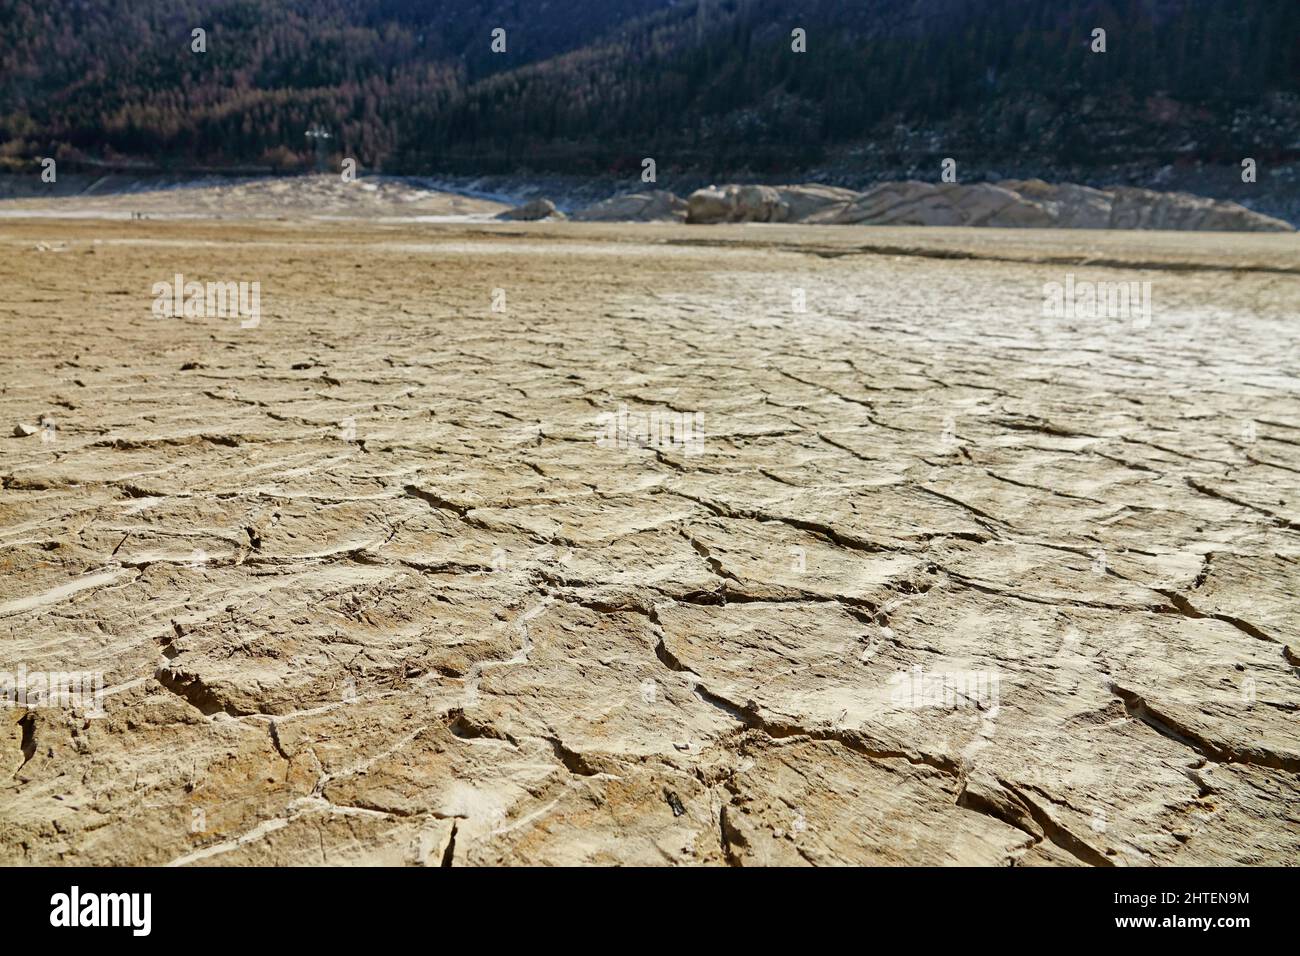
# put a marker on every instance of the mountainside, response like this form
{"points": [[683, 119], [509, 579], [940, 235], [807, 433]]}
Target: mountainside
{"points": [[118, 79], [413, 86]]}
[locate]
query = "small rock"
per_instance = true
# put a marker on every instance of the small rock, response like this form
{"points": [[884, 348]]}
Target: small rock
{"points": [[532, 211], [23, 431]]}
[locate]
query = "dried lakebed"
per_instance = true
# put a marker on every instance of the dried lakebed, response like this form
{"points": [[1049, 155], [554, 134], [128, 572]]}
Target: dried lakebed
{"points": [[381, 578]]}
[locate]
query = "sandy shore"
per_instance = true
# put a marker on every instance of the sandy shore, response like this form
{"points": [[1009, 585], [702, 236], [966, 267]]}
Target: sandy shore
{"points": [[562, 543]]}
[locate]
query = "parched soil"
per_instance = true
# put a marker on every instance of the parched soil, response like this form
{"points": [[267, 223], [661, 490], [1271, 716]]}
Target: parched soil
{"points": [[933, 578]]}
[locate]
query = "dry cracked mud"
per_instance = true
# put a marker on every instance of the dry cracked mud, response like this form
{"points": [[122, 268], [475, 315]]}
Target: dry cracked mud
{"points": [[948, 582]]}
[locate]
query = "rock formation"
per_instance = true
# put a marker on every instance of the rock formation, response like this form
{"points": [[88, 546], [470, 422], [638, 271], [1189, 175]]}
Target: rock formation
{"points": [[1010, 204]]}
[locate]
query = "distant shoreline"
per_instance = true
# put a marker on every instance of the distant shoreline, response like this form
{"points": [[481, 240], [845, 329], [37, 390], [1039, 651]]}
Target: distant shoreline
{"points": [[1030, 203]]}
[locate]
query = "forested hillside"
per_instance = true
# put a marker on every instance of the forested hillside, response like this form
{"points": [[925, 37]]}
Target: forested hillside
{"points": [[413, 86]]}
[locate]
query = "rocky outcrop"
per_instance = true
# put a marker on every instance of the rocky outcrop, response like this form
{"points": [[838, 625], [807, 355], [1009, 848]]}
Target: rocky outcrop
{"points": [[1147, 209], [812, 203], [737, 204], [928, 204], [657, 206], [1069, 206], [815, 203], [1125, 207], [1010, 204], [532, 211]]}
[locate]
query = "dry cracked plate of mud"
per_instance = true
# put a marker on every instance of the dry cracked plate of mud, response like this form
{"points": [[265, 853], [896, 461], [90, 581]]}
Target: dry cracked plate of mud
{"points": [[589, 544]]}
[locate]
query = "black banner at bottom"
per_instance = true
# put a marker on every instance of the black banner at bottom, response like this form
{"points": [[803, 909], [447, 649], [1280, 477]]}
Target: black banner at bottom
{"points": [[337, 906]]}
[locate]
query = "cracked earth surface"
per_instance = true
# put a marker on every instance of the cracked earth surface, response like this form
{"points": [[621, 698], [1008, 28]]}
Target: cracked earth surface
{"points": [[365, 589]]}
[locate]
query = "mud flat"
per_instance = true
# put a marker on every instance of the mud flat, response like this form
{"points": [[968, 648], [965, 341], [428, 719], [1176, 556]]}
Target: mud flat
{"points": [[572, 543]]}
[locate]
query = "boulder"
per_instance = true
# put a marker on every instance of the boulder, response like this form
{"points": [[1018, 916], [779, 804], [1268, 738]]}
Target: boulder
{"points": [[737, 204], [532, 211], [657, 206]]}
